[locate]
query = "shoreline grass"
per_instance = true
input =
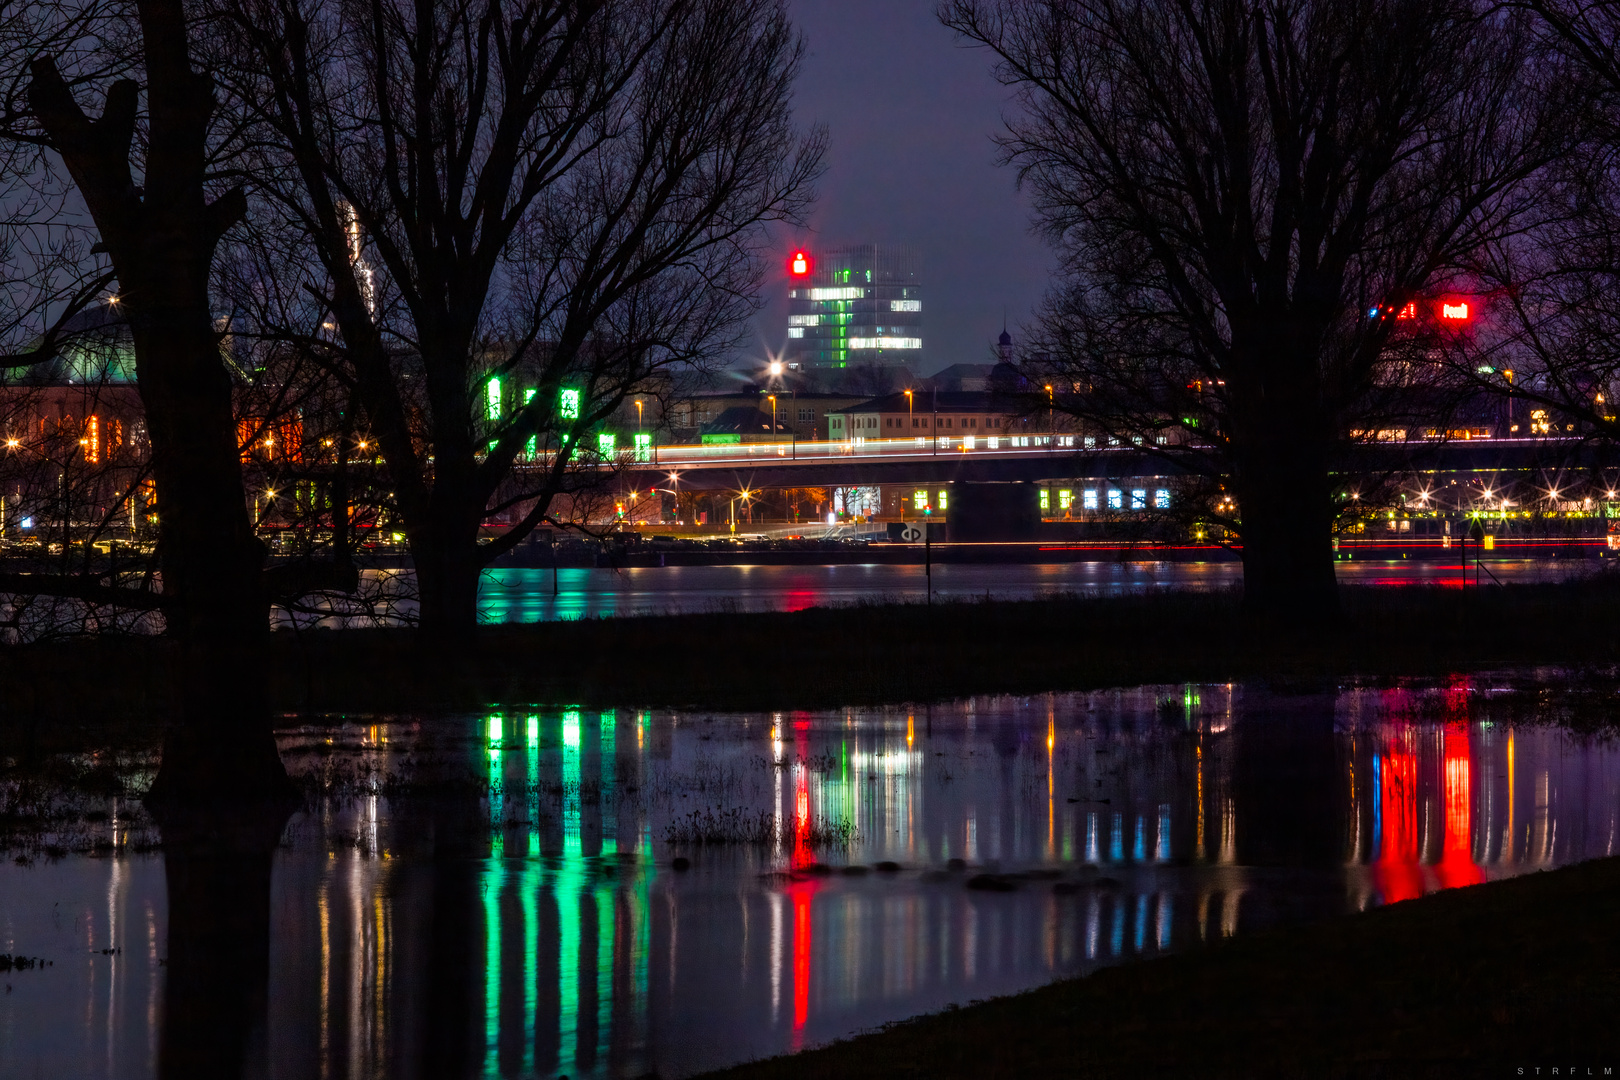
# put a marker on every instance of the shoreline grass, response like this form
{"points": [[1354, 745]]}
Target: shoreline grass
{"points": [[1470, 982], [832, 657]]}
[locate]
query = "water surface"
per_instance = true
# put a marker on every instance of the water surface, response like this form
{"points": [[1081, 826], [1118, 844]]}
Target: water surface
{"points": [[496, 895]]}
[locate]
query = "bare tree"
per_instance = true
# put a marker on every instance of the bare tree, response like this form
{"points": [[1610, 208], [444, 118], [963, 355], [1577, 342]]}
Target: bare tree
{"points": [[1233, 188], [520, 213], [144, 170], [1552, 345]]}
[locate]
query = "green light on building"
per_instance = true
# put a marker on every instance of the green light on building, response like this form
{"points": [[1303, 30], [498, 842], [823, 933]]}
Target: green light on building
{"points": [[492, 397], [568, 402], [605, 442]]}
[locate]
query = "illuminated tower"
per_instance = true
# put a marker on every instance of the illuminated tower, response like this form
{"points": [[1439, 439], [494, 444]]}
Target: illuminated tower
{"points": [[854, 306]]}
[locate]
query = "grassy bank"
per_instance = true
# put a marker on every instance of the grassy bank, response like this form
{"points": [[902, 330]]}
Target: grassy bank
{"points": [[842, 656], [1473, 982]]}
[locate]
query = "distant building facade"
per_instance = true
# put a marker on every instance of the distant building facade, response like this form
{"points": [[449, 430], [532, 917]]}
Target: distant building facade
{"points": [[855, 306]]}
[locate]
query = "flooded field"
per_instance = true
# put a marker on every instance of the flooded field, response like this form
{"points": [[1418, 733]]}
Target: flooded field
{"points": [[560, 892]]}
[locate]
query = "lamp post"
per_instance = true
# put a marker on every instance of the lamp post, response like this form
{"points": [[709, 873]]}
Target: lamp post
{"points": [[772, 398], [910, 419], [1051, 419], [933, 433]]}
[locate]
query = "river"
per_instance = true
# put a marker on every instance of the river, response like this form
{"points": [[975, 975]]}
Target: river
{"points": [[499, 894]]}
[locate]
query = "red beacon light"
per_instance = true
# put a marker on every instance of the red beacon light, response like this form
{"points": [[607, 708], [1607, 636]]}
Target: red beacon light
{"points": [[799, 265]]}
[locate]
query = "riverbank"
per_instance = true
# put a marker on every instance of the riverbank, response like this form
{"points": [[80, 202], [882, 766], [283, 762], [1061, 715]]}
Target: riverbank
{"points": [[1472, 982], [830, 657]]}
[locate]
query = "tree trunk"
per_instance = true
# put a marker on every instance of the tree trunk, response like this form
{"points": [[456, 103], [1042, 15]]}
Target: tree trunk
{"points": [[220, 743], [1284, 499], [161, 238], [448, 572]]}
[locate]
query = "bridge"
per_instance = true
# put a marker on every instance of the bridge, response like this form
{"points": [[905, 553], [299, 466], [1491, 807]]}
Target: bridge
{"points": [[874, 462]]}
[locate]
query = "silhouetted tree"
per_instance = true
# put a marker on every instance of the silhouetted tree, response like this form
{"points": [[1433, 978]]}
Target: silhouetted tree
{"points": [[519, 213], [1552, 342], [144, 171], [1232, 188]]}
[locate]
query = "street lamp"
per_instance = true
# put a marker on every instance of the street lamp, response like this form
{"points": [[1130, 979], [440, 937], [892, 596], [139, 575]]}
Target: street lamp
{"points": [[1051, 419], [773, 415], [910, 421]]}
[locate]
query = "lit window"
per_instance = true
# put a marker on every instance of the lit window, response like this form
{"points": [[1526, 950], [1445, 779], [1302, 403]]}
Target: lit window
{"points": [[1091, 442], [1116, 499], [643, 447], [944, 502], [1161, 499], [568, 404], [919, 500], [905, 305], [804, 320], [837, 294], [1046, 499], [795, 331], [604, 444], [493, 398], [1065, 499], [1088, 499], [1138, 499], [885, 343]]}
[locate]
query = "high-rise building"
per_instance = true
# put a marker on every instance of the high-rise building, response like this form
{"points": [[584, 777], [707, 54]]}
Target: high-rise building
{"points": [[854, 306]]}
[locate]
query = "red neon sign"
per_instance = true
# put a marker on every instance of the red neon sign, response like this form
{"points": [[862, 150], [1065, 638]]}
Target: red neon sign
{"points": [[1455, 310], [799, 265]]}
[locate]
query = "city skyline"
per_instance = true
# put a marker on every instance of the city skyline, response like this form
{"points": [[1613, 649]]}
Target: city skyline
{"points": [[910, 115]]}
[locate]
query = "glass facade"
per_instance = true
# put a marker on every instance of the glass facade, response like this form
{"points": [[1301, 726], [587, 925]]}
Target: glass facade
{"points": [[859, 305]]}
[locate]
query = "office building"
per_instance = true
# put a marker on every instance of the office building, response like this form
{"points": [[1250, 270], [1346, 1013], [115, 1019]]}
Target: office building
{"points": [[854, 306]]}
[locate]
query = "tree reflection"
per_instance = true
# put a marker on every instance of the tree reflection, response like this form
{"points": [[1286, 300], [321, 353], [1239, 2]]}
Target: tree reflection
{"points": [[217, 862]]}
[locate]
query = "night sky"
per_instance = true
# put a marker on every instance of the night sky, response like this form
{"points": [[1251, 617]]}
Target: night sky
{"points": [[911, 114]]}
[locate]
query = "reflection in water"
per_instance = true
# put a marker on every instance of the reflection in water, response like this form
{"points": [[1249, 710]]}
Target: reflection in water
{"points": [[511, 594], [494, 896]]}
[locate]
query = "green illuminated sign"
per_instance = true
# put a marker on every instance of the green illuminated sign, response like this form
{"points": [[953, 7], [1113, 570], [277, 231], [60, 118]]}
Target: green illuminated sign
{"points": [[568, 404]]}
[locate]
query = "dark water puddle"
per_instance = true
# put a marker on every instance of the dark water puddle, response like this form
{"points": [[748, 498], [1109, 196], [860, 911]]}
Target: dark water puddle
{"points": [[499, 895]]}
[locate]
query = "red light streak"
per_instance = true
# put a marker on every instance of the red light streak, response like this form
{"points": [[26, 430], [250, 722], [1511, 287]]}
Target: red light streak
{"points": [[1457, 866], [801, 959], [1397, 872]]}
